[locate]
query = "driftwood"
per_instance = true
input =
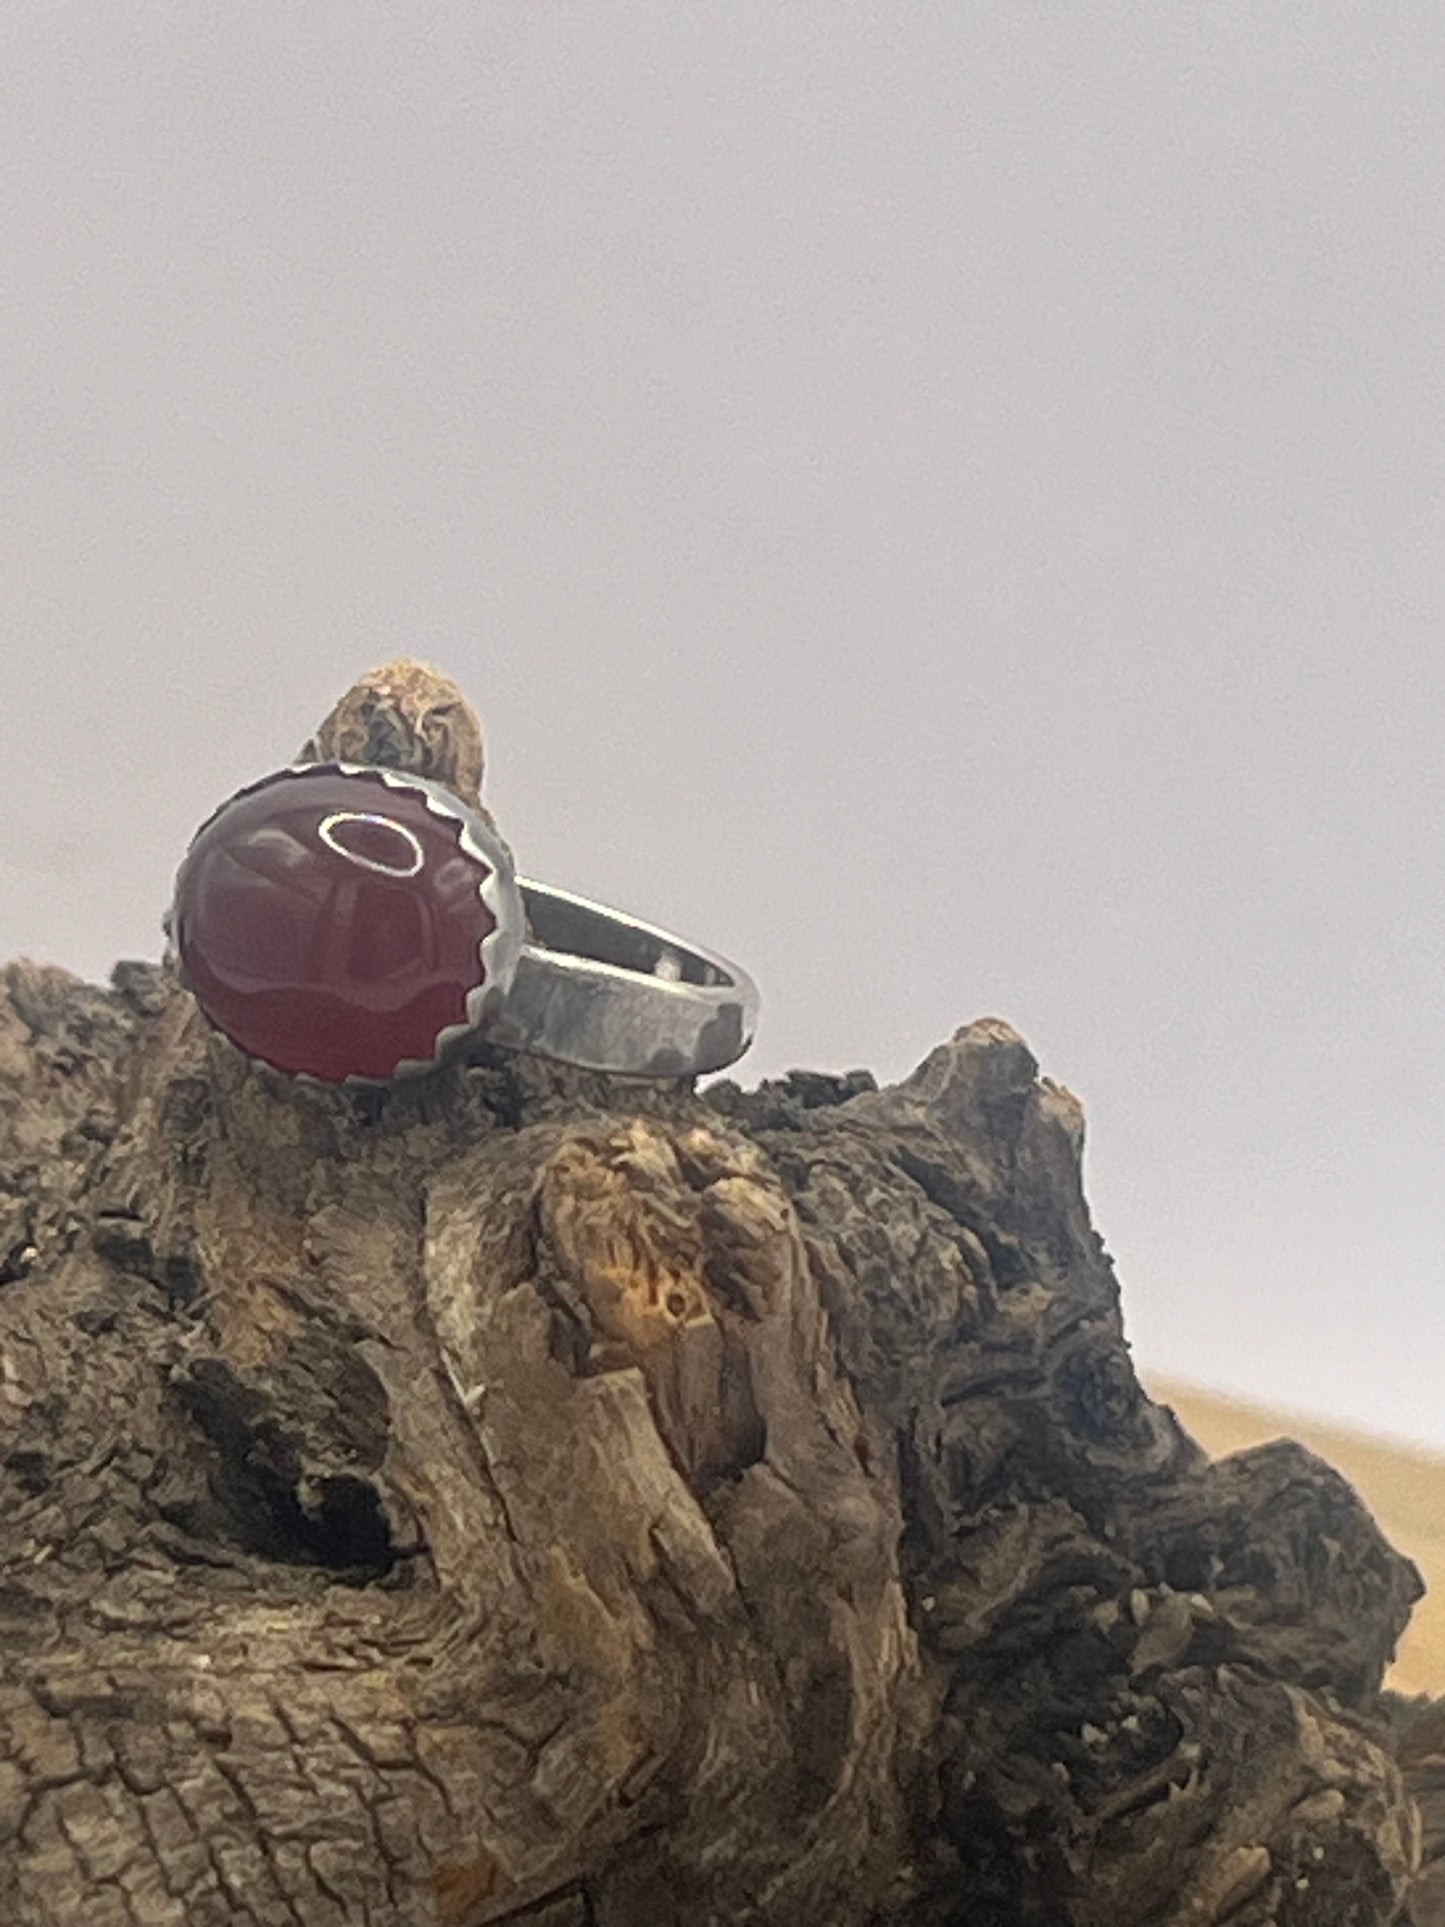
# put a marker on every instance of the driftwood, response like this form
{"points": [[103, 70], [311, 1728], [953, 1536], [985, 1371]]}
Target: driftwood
{"points": [[524, 1496]]}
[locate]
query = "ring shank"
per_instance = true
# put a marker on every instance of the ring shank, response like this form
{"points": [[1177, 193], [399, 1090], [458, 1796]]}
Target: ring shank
{"points": [[600, 990]]}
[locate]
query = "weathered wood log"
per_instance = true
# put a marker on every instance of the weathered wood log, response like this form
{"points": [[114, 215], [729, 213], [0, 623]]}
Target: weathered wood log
{"points": [[520, 1495]]}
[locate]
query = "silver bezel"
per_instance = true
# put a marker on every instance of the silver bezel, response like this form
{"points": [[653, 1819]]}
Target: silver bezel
{"points": [[498, 952]]}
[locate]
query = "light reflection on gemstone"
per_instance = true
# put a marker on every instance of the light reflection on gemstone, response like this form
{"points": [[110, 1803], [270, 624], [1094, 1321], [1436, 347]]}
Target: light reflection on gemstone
{"points": [[370, 840]]}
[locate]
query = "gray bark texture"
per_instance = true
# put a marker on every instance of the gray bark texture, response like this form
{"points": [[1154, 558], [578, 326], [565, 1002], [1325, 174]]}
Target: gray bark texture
{"points": [[524, 1496]]}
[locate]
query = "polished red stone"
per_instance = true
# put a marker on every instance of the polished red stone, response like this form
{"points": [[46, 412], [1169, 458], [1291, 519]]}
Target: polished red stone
{"points": [[331, 923]]}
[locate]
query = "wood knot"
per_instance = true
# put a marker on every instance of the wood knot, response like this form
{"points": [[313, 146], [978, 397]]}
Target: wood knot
{"points": [[681, 1252], [625, 1228], [406, 716]]}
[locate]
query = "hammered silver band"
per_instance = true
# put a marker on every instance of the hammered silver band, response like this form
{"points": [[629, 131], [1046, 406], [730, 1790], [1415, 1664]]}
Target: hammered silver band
{"points": [[601, 990]]}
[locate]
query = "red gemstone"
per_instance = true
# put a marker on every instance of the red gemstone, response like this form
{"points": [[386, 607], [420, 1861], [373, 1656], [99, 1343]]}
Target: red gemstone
{"points": [[332, 923]]}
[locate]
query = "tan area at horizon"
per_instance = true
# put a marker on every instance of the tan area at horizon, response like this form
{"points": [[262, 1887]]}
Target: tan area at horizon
{"points": [[1403, 1487]]}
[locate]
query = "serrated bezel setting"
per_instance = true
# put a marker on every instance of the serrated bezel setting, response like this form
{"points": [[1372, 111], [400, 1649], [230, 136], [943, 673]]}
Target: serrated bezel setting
{"points": [[498, 951]]}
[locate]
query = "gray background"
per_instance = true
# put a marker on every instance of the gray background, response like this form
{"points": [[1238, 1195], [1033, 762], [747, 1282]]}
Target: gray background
{"points": [[942, 502]]}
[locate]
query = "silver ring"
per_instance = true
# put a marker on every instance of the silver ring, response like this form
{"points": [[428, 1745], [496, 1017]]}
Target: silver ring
{"points": [[557, 976]]}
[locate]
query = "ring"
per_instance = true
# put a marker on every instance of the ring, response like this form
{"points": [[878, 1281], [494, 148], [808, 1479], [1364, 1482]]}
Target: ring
{"points": [[350, 924]]}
